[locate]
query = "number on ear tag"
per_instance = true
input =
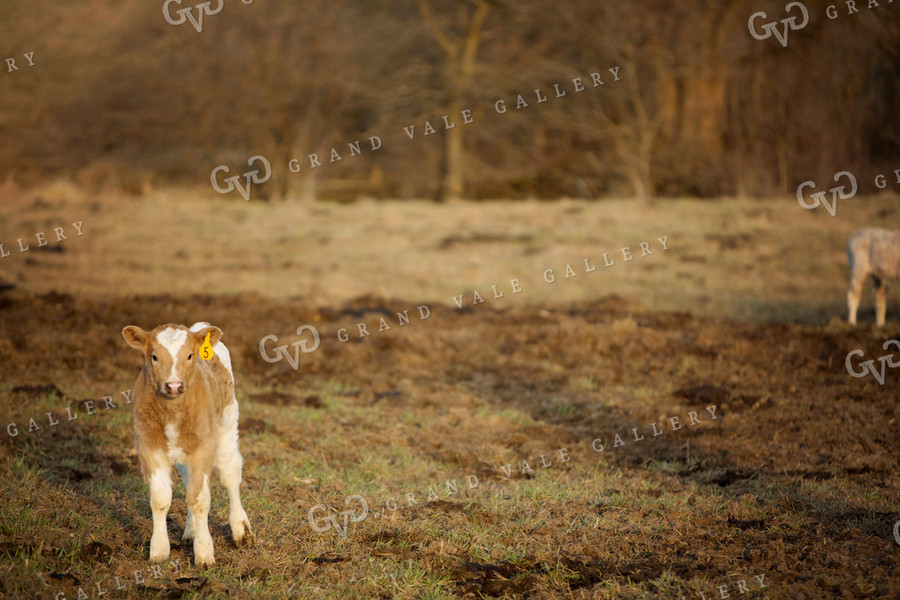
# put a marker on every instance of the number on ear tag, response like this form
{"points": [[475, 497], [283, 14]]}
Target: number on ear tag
{"points": [[206, 351]]}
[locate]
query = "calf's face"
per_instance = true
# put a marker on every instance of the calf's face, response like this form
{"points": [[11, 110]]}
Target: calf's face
{"points": [[171, 353]]}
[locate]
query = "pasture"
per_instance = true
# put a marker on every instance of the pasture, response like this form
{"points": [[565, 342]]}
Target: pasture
{"points": [[472, 434]]}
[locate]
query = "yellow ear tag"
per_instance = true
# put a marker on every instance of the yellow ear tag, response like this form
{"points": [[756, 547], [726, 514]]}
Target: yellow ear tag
{"points": [[206, 351]]}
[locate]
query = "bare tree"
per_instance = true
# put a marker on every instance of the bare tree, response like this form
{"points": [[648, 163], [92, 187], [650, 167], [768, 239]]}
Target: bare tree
{"points": [[460, 50]]}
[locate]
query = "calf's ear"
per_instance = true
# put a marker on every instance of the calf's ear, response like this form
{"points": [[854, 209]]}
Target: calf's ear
{"points": [[135, 337], [215, 334]]}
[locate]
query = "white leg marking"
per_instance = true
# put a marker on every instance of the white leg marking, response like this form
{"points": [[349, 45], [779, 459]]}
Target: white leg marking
{"points": [[203, 546], [853, 297], [229, 463], [880, 302], [160, 501], [852, 306]]}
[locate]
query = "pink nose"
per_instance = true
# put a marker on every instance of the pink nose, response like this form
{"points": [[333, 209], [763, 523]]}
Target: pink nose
{"points": [[173, 387]]}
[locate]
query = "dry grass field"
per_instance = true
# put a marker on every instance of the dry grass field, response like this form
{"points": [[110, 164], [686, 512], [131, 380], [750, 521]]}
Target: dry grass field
{"points": [[739, 458]]}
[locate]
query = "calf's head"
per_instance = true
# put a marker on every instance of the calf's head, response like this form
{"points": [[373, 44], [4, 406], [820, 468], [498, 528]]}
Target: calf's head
{"points": [[171, 353]]}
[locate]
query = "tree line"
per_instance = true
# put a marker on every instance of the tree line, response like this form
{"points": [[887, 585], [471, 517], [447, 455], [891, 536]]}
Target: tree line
{"points": [[119, 97]]}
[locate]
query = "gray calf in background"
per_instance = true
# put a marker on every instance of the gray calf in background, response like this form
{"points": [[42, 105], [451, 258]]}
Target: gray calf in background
{"points": [[874, 252]]}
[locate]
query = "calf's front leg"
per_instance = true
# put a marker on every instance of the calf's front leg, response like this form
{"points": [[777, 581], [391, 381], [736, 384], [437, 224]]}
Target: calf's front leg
{"points": [[160, 484]]}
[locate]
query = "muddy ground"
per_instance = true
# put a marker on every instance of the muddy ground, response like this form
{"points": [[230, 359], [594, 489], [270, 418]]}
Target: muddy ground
{"points": [[473, 435]]}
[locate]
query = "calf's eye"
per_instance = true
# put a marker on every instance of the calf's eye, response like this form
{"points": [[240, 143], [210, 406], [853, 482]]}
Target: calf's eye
{"points": [[190, 356], [154, 358]]}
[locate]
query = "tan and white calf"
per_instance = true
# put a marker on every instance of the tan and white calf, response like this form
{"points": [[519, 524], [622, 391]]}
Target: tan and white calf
{"points": [[186, 415]]}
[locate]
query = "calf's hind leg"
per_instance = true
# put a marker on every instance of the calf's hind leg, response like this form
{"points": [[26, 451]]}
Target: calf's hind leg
{"points": [[853, 296], [229, 463], [880, 301], [188, 525]]}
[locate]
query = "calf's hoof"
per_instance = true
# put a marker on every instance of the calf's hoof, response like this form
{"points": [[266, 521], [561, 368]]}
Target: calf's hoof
{"points": [[240, 527], [242, 533], [203, 552], [159, 549], [208, 561], [204, 559]]}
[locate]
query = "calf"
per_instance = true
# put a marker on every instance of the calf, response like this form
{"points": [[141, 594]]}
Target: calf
{"points": [[876, 253], [186, 414]]}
